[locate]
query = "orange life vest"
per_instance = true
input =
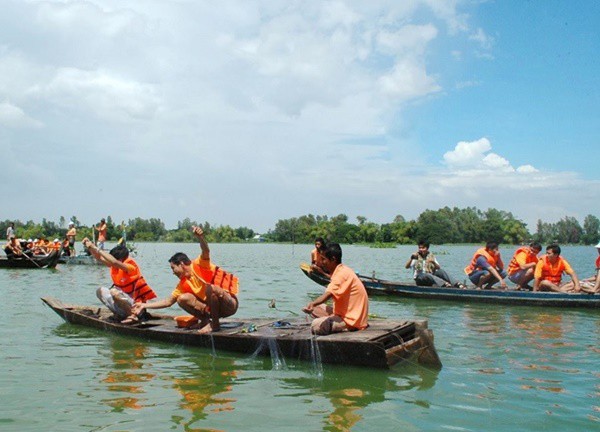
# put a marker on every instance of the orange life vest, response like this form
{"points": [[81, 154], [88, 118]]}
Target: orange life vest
{"points": [[513, 265], [491, 259], [215, 275], [550, 272], [132, 283]]}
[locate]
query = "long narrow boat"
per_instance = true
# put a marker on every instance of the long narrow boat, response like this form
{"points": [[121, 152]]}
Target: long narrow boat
{"points": [[34, 262], [383, 344], [510, 297]]}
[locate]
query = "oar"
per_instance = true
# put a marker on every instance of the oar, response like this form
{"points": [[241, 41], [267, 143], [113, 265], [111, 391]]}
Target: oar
{"points": [[30, 259]]}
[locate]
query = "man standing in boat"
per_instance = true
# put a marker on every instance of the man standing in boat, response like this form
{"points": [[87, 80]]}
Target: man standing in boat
{"points": [[427, 270], [10, 232], [549, 271], [486, 267], [350, 301], [522, 265], [129, 286], [204, 290], [71, 234], [101, 228]]}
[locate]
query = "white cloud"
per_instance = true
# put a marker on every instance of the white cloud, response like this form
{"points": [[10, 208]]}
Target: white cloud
{"points": [[485, 41], [109, 97], [15, 117], [240, 112], [468, 153]]}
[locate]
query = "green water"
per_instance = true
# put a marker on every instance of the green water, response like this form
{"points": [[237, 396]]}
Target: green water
{"points": [[505, 368]]}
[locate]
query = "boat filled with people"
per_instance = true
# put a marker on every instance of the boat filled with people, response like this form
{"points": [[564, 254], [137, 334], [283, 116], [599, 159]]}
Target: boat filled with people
{"points": [[377, 286], [31, 254], [383, 344]]}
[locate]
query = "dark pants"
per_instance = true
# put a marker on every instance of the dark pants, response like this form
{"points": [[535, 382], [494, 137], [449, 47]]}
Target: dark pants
{"points": [[438, 278]]}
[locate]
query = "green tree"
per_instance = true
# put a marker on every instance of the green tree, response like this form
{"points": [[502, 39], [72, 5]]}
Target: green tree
{"points": [[591, 230], [569, 230]]}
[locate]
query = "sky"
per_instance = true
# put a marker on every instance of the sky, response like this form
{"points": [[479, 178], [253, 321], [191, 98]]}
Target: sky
{"points": [[246, 112]]}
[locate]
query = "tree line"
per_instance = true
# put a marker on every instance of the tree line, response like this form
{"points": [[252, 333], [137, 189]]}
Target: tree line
{"points": [[442, 226]]}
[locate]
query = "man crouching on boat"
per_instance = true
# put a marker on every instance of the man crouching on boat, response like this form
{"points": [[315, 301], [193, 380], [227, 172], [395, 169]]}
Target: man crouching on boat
{"points": [[204, 290], [129, 286], [350, 301]]}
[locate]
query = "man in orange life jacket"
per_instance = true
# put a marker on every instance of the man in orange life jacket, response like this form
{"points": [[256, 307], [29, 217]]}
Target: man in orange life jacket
{"points": [[549, 270], [522, 265], [204, 290], [486, 267], [129, 286]]}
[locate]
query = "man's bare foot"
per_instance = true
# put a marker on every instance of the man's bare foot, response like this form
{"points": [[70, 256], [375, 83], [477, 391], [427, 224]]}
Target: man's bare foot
{"points": [[206, 329]]}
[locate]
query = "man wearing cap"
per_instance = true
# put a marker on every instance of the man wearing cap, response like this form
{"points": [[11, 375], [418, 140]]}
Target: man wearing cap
{"points": [[597, 284], [71, 234], [589, 285]]}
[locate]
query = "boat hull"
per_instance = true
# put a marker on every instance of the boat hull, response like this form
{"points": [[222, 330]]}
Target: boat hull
{"points": [[35, 262], [509, 297], [382, 345]]}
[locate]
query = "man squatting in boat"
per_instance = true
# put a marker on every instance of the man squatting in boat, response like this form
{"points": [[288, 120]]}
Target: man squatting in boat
{"points": [[129, 286], [486, 267], [350, 301], [204, 290]]}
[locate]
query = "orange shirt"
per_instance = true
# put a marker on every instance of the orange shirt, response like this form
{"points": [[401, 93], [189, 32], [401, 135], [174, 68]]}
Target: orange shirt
{"points": [[545, 270], [194, 284], [314, 256], [132, 282], [350, 300], [102, 233], [521, 257]]}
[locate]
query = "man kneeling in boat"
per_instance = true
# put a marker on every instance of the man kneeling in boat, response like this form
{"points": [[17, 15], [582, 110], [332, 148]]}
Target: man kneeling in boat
{"points": [[350, 302], [549, 270], [204, 290], [129, 286]]}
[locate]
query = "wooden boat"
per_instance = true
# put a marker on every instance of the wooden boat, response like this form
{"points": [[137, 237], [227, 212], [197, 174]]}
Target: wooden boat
{"points": [[383, 344], [31, 262], [510, 297]]}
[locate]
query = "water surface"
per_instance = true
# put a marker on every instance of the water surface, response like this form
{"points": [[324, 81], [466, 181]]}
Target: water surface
{"points": [[505, 368]]}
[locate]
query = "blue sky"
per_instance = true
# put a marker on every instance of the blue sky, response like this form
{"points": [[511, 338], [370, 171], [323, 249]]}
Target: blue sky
{"points": [[247, 112]]}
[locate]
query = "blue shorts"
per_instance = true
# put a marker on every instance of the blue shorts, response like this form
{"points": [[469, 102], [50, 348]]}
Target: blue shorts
{"points": [[516, 276], [478, 274]]}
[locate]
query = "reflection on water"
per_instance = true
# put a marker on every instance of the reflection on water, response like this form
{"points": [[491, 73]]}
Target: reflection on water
{"points": [[125, 376], [506, 368]]}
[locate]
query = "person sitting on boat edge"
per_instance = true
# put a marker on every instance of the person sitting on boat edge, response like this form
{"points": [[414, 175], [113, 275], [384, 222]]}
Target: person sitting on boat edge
{"points": [[316, 256], [427, 269], [204, 289], [13, 248], [590, 285], [129, 286], [522, 265], [549, 271], [486, 267], [350, 301]]}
